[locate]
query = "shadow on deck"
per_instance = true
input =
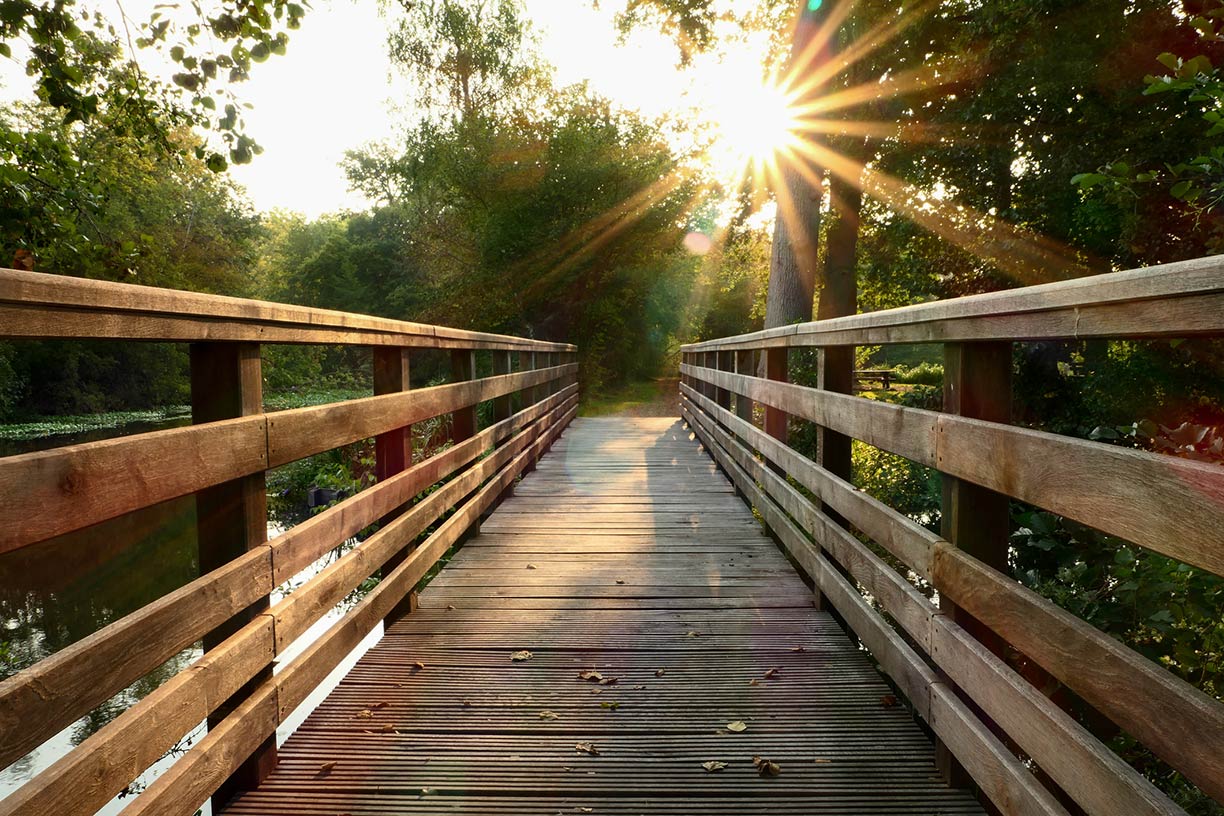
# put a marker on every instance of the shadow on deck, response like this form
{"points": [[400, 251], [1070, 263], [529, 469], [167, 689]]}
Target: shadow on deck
{"points": [[628, 554]]}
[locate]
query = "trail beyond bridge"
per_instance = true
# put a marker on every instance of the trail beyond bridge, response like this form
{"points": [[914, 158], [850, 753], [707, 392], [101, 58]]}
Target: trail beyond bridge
{"points": [[680, 615]]}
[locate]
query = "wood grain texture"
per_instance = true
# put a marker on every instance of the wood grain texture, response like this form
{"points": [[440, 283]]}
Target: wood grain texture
{"points": [[1167, 504], [1170, 300], [1142, 697], [464, 731], [33, 304]]}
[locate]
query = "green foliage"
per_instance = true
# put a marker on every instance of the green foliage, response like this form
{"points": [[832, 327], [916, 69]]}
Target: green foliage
{"points": [[921, 374], [80, 72]]}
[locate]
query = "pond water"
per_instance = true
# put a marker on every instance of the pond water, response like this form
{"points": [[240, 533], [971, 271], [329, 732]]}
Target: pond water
{"points": [[54, 593]]}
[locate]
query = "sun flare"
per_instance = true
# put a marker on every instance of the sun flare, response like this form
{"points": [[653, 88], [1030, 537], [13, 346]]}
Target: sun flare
{"points": [[764, 124]]}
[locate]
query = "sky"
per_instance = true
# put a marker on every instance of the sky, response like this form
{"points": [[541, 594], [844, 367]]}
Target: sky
{"points": [[332, 90]]}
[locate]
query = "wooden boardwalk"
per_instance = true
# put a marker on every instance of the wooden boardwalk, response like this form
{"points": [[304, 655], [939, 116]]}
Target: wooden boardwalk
{"points": [[625, 553]]}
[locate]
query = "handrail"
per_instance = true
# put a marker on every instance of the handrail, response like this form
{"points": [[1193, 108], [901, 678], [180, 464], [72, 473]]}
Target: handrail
{"points": [[64, 489], [1118, 304], [948, 664], [38, 305]]}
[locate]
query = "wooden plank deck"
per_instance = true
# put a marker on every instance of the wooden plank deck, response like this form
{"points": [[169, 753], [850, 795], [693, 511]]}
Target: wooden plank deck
{"points": [[625, 552]]}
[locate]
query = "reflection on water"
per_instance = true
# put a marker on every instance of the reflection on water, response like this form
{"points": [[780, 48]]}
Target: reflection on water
{"points": [[56, 593]]}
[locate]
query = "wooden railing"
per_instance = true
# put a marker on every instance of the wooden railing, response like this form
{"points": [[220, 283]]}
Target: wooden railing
{"points": [[221, 459], [944, 656]]}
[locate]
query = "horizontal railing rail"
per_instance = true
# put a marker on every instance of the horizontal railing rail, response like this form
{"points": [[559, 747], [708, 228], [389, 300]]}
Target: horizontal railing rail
{"points": [[222, 461], [945, 656]]}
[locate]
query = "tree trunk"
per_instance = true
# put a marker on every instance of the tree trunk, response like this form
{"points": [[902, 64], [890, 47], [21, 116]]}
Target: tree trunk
{"points": [[839, 283], [793, 258], [796, 240]]}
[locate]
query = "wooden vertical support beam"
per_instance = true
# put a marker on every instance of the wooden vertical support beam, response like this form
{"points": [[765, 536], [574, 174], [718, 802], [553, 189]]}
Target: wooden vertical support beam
{"points": [[744, 364], [501, 405], [463, 421], [709, 360], [724, 360], [232, 518], [977, 384], [835, 372], [777, 367], [393, 452]]}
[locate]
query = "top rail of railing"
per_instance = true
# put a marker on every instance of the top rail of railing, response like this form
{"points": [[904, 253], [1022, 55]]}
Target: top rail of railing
{"points": [[37, 305]]}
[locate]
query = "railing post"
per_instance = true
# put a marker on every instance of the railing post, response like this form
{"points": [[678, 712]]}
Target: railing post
{"points": [[744, 365], [977, 384], [393, 451], [231, 518], [724, 361], [463, 421], [501, 405], [777, 368], [709, 360], [835, 373]]}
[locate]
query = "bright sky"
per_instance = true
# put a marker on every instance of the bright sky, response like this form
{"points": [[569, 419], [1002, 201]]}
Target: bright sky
{"points": [[330, 92]]}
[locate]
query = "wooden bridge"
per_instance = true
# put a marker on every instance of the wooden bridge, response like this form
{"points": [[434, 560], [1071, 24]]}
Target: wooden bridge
{"points": [[645, 616]]}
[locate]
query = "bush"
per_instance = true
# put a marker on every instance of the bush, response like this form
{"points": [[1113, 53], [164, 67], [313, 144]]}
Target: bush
{"points": [[921, 374]]}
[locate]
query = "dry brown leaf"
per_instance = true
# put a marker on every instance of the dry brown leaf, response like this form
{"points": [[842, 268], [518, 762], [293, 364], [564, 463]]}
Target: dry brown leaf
{"points": [[549, 715], [692, 634], [772, 673], [608, 681], [450, 607], [418, 666], [531, 566], [639, 688], [754, 682], [619, 581], [327, 767], [737, 726], [587, 748], [888, 701], [660, 672], [765, 767], [521, 655], [467, 703], [380, 704], [713, 766], [798, 649], [820, 761], [591, 675], [365, 714], [388, 728]]}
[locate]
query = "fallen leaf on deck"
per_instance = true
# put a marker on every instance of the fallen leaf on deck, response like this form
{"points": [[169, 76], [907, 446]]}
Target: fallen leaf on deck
{"points": [[549, 715], [449, 607], [521, 655], [754, 682], [326, 767], [888, 701], [660, 672], [531, 566], [365, 714], [713, 766], [772, 673], [822, 761], [639, 688], [418, 666], [765, 767], [587, 748], [388, 728], [610, 705], [467, 703], [619, 581], [591, 675], [737, 726], [798, 649], [691, 634], [608, 681]]}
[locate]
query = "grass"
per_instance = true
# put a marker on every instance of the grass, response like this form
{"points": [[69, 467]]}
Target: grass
{"points": [[622, 398], [56, 426]]}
